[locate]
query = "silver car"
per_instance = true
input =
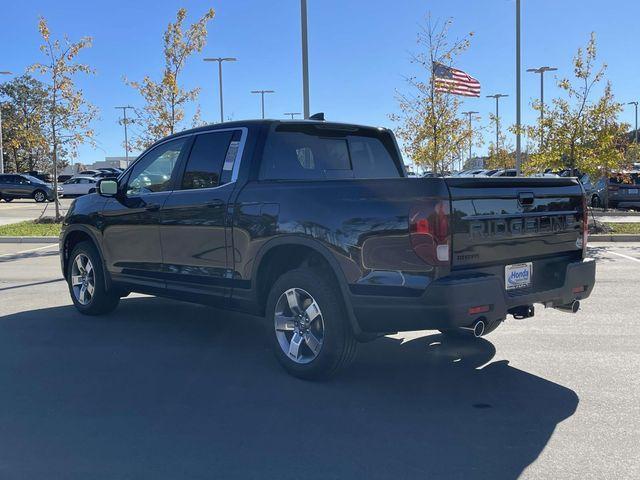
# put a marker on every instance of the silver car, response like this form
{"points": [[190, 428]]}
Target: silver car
{"points": [[79, 185]]}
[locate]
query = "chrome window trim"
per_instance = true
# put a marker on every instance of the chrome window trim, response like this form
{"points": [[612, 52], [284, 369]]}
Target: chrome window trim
{"points": [[236, 162]]}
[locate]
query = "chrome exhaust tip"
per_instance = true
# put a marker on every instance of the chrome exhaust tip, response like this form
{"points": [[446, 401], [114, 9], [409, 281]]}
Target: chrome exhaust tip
{"points": [[477, 329], [572, 307]]}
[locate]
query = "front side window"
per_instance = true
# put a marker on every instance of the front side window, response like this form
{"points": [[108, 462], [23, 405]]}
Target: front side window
{"points": [[206, 160], [153, 172]]}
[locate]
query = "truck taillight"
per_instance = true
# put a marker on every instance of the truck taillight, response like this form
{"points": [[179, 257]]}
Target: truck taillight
{"points": [[429, 231], [585, 225]]}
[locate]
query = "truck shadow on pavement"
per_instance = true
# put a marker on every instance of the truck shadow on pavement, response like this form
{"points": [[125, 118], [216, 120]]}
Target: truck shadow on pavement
{"points": [[161, 389]]}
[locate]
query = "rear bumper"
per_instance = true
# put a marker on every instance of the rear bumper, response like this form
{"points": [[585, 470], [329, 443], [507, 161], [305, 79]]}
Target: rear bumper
{"points": [[446, 302]]}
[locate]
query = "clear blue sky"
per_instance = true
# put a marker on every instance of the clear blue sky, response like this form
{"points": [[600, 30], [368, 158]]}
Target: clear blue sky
{"points": [[359, 52]]}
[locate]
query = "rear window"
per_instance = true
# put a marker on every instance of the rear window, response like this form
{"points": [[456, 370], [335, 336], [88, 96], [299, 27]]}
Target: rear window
{"points": [[313, 153]]}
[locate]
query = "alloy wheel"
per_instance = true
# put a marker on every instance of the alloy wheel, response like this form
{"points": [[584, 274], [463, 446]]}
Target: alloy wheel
{"points": [[299, 325], [39, 197], [83, 279]]}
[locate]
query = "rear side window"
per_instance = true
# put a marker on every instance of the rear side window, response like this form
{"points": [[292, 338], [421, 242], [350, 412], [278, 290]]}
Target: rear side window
{"points": [[206, 160], [309, 153]]}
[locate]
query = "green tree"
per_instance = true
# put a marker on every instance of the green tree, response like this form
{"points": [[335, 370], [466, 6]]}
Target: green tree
{"points": [[24, 141], [68, 116], [164, 100], [431, 129], [579, 133]]}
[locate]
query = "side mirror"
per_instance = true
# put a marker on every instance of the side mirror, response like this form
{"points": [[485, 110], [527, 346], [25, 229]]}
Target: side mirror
{"points": [[107, 187]]}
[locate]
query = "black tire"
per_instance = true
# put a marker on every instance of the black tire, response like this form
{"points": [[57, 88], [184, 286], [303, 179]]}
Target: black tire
{"points": [[7, 199], [339, 345], [102, 300], [595, 202], [40, 196]]}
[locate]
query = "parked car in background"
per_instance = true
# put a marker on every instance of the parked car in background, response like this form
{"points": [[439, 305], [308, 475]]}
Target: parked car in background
{"points": [[544, 175], [19, 185], [111, 171], [40, 175], [64, 178], [88, 173], [623, 190], [471, 173], [79, 185], [505, 172]]}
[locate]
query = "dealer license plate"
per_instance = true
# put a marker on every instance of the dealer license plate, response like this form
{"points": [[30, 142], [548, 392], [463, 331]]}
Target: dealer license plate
{"points": [[518, 275]]}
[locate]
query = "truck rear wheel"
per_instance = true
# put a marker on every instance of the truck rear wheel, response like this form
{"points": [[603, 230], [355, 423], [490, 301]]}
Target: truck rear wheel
{"points": [[312, 338]]}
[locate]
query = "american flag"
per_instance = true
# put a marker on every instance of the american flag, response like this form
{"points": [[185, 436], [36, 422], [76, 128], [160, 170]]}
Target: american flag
{"points": [[451, 80]]}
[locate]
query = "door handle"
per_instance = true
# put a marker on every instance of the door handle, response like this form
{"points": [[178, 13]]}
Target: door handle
{"points": [[152, 207], [215, 203]]}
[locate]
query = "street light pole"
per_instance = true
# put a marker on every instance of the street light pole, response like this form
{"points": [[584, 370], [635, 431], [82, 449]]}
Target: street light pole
{"points": [[1, 152], [518, 82], [126, 138], [305, 58], [541, 71], [262, 92], [497, 96], [470, 114], [292, 114], [220, 60], [635, 104]]}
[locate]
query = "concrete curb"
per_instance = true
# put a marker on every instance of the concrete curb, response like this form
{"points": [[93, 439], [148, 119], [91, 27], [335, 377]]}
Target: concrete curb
{"points": [[29, 239], [605, 237]]}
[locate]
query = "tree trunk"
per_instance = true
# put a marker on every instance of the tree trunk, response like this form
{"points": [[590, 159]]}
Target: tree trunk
{"points": [[55, 171]]}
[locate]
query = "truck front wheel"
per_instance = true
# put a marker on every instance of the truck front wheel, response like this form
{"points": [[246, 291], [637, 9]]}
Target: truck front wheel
{"points": [[312, 338]]}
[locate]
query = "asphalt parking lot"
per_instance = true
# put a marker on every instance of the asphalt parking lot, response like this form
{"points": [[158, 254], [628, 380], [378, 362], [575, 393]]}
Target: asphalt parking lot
{"points": [[20, 210], [161, 389]]}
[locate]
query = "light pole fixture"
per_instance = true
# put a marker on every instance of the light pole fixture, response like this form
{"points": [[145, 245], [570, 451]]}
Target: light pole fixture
{"points": [[305, 58], [470, 114], [262, 92], [292, 114], [126, 138], [220, 60], [635, 104], [497, 96], [541, 71], [2, 72]]}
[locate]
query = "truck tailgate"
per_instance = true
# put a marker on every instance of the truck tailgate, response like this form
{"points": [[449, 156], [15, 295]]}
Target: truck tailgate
{"points": [[501, 221]]}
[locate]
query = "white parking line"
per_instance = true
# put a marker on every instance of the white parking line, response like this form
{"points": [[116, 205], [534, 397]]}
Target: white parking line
{"points": [[626, 256], [28, 251]]}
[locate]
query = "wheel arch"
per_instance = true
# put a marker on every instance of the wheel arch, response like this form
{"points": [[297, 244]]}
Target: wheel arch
{"points": [[298, 251], [73, 235]]}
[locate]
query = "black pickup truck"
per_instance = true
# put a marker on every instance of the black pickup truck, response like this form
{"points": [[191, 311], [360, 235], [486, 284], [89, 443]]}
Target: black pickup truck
{"points": [[316, 226]]}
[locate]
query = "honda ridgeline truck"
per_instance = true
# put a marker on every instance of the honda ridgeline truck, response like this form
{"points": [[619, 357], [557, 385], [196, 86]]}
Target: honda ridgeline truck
{"points": [[316, 226]]}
